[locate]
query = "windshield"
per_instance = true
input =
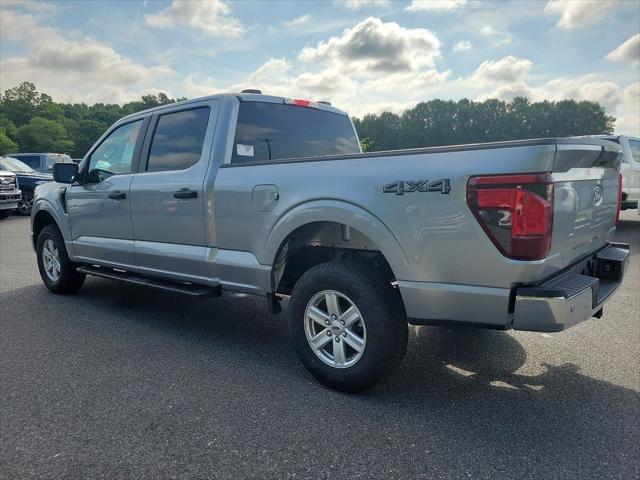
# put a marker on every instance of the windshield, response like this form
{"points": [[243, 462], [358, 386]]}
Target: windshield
{"points": [[13, 165]]}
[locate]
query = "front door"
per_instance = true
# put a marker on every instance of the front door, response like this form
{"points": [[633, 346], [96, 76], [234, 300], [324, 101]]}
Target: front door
{"points": [[99, 206], [167, 195]]}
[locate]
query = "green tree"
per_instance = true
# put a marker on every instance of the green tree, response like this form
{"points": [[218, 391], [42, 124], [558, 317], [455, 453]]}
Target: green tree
{"points": [[85, 134], [6, 144], [43, 135], [21, 103], [442, 122]]}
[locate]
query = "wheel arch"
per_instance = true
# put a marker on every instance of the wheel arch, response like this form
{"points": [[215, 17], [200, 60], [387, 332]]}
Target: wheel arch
{"points": [[41, 219], [324, 230]]}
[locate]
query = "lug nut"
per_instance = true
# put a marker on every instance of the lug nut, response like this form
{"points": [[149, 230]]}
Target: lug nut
{"points": [[327, 323], [334, 316], [344, 334], [337, 339], [342, 322], [329, 332]]}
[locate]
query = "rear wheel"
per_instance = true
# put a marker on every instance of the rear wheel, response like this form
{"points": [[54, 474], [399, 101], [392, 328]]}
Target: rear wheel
{"points": [[57, 271], [348, 325]]}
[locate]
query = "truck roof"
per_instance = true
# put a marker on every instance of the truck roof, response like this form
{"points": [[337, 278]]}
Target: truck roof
{"points": [[243, 97]]}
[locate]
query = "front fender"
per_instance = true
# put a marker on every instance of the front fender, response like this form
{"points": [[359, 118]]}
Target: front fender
{"points": [[47, 199], [339, 212]]}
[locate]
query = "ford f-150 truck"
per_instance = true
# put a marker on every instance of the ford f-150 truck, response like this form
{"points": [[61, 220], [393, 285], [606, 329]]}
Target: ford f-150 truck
{"points": [[273, 197], [10, 194]]}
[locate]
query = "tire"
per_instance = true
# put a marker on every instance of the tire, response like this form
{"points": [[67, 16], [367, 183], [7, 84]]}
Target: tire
{"points": [[382, 329], [67, 280], [25, 204], [5, 213]]}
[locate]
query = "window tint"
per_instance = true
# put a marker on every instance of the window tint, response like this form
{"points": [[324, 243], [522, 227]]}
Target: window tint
{"points": [[32, 160], [114, 156], [271, 131], [177, 140], [635, 149]]}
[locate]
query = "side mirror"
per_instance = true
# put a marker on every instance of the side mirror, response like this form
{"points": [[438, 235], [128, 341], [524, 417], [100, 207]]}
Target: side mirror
{"points": [[65, 172]]}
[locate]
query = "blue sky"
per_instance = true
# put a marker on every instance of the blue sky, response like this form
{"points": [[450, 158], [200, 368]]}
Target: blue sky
{"points": [[364, 56]]}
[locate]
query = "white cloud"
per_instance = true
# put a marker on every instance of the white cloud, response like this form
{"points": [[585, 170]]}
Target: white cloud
{"points": [[209, 16], [357, 4], [72, 70], [298, 21], [462, 45], [435, 5], [628, 51], [508, 70], [495, 35], [373, 47], [628, 113], [17, 27], [576, 14]]}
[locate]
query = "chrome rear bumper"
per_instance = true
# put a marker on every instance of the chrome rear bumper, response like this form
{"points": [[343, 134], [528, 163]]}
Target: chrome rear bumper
{"points": [[573, 296]]}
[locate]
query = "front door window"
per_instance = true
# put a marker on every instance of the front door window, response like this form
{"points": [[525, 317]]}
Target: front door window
{"points": [[114, 156]]}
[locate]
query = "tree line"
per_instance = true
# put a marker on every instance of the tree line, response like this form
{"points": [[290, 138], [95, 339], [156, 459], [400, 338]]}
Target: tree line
{"points": [[31, 121]]}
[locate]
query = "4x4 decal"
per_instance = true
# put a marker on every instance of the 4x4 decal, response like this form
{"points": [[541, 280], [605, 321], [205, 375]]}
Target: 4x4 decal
{"points": [[408, 186]]}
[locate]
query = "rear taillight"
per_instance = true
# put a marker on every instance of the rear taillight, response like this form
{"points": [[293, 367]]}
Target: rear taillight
{"points": [[619, 197], [516, 212]]}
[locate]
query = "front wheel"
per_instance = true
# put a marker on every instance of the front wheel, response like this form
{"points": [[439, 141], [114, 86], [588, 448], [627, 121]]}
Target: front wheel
{"points": [[57, 271], [347, 324], [25, 204]]}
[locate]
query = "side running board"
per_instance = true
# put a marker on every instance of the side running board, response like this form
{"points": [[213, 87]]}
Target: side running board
{"points": [[167, 285]]}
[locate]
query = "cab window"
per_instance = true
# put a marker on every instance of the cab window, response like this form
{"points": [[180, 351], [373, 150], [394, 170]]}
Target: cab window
{"points": [[114, 156], [635, 149], [178, 139]]}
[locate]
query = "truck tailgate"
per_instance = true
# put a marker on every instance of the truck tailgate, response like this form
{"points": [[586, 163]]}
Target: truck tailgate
{"points": [[586, 184]]}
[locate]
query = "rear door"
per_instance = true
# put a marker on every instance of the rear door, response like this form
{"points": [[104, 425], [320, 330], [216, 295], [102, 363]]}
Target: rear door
{"points": [[167, 193]]}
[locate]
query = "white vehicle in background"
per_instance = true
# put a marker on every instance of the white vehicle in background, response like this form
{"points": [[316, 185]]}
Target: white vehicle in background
{"points": [[630, 169]]}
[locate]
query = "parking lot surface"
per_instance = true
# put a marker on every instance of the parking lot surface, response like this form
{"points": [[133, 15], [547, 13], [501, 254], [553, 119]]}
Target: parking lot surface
{"points": [[123, 382]]}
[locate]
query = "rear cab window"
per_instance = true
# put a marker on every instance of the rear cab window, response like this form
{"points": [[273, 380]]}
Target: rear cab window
{"points": [[272, 131]]}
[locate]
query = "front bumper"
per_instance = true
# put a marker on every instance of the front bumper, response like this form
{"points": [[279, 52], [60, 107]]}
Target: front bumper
{"points": [[573, 296], [9, 200]]}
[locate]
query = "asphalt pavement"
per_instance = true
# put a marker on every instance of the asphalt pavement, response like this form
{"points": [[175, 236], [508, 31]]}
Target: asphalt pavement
{"points": [[123, 382]]}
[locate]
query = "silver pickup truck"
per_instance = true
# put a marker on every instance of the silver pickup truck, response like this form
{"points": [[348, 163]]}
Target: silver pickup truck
{"points": [[273, 197]]}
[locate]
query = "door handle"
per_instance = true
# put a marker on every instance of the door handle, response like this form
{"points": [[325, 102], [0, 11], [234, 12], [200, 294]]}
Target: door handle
{"points": [[117, 195], [185, 193]]}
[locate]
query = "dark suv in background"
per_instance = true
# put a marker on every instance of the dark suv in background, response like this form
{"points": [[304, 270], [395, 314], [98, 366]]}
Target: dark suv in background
{"points": [[28, 179], [41, 162]]}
